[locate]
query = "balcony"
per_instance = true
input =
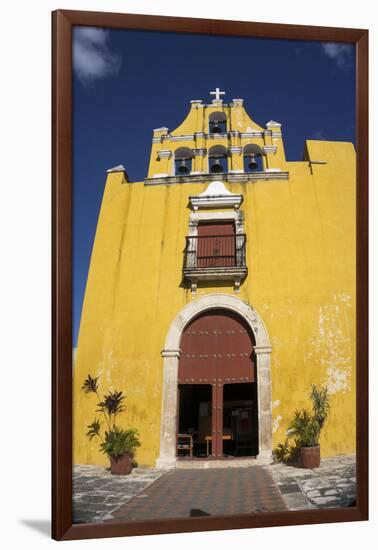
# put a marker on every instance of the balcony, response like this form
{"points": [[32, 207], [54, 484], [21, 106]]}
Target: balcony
{"points": [[215, 258]]}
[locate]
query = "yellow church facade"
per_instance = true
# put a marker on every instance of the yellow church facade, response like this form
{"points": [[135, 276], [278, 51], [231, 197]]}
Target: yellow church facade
{"points": [[219, 289]]}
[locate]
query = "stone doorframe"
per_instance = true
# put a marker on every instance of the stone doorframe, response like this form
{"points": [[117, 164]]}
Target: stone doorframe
{"points": [[171, 356]]}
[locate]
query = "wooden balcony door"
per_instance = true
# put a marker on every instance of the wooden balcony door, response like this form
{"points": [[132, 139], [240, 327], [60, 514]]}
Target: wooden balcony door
{"points": [[216, 245]]}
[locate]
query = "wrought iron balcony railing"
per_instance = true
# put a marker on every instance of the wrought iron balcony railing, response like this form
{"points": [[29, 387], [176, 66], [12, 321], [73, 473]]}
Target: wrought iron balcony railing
{"points": [[215, 253]]}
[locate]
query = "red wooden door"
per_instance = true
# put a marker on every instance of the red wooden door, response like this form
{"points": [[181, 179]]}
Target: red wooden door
{"points": [[217, 349], [216, 245]]}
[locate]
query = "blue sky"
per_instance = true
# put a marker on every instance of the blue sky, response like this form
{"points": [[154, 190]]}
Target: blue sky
{"points": [[128, 82]]}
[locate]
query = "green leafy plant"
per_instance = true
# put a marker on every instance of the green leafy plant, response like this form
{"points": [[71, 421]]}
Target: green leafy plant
{"points": [[305, 427], [119, 442], [286, 452], [115, 441], [282, 452]]}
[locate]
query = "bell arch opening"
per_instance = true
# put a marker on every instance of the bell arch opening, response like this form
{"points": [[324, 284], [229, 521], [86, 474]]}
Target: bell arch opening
{"points": [[182, 374]]}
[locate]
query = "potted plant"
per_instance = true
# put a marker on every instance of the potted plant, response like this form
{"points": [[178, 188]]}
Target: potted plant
{"points": [[305, 429], [118, 444]]}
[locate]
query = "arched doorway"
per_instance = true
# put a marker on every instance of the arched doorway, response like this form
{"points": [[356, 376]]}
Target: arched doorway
{"points": [[217, 386], [171, 356]]}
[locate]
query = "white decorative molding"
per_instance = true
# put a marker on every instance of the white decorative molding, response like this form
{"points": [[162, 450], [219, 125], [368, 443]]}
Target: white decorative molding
{"points": [[215, 196], [270, 149], [235, 149], [196, 102], [171, 353], [237, 103], [227, 176], [199, 152], [235, 274], [273, 123], [163, 129], [216, 136], [164, 154], [183, 137], [167, 457], [160, 176], [119, 168], [262, 349], [253, 134]]}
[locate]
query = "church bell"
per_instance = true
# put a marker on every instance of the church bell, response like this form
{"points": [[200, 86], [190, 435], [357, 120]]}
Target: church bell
{"points": [[252, 165], [216, 127], [183, 169], [216, 167]]}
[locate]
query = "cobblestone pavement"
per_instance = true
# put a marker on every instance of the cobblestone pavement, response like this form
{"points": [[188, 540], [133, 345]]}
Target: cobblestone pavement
{"points": [[148, 493], [96, 492], [331, 485]]}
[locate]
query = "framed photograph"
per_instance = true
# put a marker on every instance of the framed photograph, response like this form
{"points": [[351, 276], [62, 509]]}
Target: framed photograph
{"points": [[210, 357]]}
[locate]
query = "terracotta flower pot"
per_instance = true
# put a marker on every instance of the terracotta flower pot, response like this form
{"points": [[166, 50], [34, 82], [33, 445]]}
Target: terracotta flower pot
{"points": [[310, 457], [121, 465]]}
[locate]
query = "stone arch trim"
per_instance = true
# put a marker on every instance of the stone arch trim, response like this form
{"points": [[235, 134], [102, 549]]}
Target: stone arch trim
{"points": [[171, 356]]}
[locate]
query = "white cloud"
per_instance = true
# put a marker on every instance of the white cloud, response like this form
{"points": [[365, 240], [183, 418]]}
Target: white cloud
{"points": [[340, 53], [92, 58]]}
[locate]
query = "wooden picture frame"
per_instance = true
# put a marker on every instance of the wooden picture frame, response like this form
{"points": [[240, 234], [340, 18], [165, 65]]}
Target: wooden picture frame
{"points": [[62, 23]]}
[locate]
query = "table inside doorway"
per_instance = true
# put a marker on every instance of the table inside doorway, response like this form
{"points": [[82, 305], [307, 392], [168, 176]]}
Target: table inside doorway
{"points": [[209, 438]]}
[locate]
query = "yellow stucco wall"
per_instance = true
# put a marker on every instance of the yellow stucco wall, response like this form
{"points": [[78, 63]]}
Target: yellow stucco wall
{"points": [[301, 279]]}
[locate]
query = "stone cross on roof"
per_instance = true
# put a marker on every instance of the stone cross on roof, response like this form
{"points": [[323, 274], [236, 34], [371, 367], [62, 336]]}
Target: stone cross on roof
{"points": [[217, 93]]}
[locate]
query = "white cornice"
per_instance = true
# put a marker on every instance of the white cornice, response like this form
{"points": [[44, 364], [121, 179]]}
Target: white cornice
{"points": [[215, 196], [235, 149], [164, 179], [164, 154], [187, 137], [270, 149], [255, 133], [119, 168]]}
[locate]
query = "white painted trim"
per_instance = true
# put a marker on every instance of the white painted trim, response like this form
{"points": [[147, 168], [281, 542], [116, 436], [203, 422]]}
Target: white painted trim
{"points": [[205, 177], [196, 217], [235, 149], [171, 351], [184, 137], [160, 176], [248, 135], [270, 149], [119, 168], [215, 196], [164, 154]]}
